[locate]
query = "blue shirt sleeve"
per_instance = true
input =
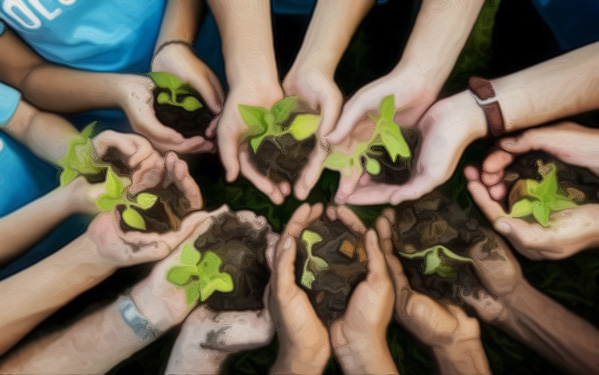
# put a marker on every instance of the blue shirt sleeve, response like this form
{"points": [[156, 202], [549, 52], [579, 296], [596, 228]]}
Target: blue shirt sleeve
{"points": [[1, 28], [9, 100]]}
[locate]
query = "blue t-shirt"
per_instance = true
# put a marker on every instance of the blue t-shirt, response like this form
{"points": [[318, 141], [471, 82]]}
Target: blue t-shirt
{"points": [[9, 100], [103, 36]]}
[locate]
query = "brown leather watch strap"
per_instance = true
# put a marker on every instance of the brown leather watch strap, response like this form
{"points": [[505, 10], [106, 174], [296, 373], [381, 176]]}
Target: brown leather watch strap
{"points": [[485, 97]]}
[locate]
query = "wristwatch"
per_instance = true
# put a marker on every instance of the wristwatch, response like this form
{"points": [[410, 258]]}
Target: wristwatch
{"points": [[484, 94]]}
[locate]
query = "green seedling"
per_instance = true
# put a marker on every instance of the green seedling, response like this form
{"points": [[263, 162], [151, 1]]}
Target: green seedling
{"points": [[199, 274], [434, 260], [386, 134], [541, 198], [79, 160], [175, 87], [267, 125], [316, 263]]}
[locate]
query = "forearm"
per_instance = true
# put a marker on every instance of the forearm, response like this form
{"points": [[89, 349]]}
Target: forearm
{"points": [[330, 31], [464, 357], [180, 22], [438, 36], [39, 216], [93, 345], [554, 89], [189, 355], [33, 294], [563, 338], [246, 31]]}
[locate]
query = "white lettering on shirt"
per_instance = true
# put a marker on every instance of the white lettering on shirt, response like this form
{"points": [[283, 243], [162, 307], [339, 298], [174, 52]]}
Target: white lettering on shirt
{"points": [[45, 12], [24, 15]]}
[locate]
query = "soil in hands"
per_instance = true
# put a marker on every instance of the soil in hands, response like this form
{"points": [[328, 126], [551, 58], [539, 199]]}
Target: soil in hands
{"points": [[397, 172], [241, 246], [187, 123], [346, 257]]}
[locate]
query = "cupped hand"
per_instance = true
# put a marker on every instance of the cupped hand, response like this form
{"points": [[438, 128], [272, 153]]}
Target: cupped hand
{"points": [[569, 231], [137, 101], [413, 96], [304, 345], [231, 129], [447, 128], [322, 94]]}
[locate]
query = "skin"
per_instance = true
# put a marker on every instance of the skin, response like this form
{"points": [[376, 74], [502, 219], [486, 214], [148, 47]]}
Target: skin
{"points": [[510, 303], [452, 336], [312, 75], [560, 87], [101, 340], [245, 29]]}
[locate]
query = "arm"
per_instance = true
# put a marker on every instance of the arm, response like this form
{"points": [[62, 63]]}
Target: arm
{"points": [[245, 28], [312, 74], [440, 32], [60, 89]]}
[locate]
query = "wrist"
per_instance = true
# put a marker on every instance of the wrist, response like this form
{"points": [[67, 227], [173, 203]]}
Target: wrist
{"points": [[91, 258], [462, 357], [133, 85], [473, 115], [298, 359], [366, 356]]}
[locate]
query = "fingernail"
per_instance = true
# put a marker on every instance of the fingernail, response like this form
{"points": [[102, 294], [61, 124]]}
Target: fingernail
{"points": [[287, 244], [504, 227]]}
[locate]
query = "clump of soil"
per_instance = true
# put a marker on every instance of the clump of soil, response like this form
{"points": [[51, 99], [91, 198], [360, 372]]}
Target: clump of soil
{"points": [[431, 221], [166, 214], [577, 181], [398, 172], [187, 123], [282, 159], [346, 256], [241, 244]]}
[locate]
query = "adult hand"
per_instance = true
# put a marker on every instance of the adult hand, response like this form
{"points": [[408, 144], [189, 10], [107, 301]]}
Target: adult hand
{"points": [[304, 346], [447, 128], [134, 94], [320, 91], [234, 153], [413, 95], [359, 336], [569, 231]]}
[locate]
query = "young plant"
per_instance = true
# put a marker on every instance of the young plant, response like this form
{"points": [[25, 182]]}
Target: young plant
{"points": [[434, 260], [540, 198], [386, 134], [316, 263], [200, 275], [175, 87], [79, 160], [267, 125]]}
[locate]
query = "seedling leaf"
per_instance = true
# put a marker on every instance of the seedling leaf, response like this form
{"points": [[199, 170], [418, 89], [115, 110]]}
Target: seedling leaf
{"points": [[192, 293], [191, 104], [373, 166], [282, 109], [165, 80], [521, 208], [146, 200], [211, 279], [133, 219], [304, 126], [67, 176], [253, 118], [319, 263], [180, 275], [114, 186], [433, 263], [190, 256], [106, 203], [388, 107], [307, 278], [164, 98]]}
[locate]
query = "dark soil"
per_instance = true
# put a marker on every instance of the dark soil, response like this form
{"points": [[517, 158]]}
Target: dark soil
{"points": [[430, 221], [398, 172], [187, 123], [332, 288], [166, 214], [282, 159], [577, 180], [241, 247]]}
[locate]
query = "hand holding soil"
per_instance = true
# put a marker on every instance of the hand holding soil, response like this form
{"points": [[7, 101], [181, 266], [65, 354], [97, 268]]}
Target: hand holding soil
{"points": [[304, 345]]}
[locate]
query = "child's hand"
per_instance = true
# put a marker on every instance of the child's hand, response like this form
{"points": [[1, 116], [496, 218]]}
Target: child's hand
{"points": [[134, 94]]}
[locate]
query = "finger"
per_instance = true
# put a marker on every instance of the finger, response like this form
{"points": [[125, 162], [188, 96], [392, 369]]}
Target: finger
{"points": [[151, 252], [383, 228], [178, 172], [211, 129], [496, 161], [491, 208], [263, 183], [192, 145], [377, 268], [209, 92], [330, 110], [389, 213], [347, 186], [310, 173], [302, 218], [217, 85], [284, 267], [491, 179], [351, 220], [498, 192], [353, 112], [148, 174], [228, 147]]}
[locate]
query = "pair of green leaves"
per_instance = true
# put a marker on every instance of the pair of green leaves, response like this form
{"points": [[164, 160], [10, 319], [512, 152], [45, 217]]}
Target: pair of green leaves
{"points": [[79, 160], [541, 198], [175, 87], [316, 263], [264, 124], [199, 274], [433, 260], [386, 134]]}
